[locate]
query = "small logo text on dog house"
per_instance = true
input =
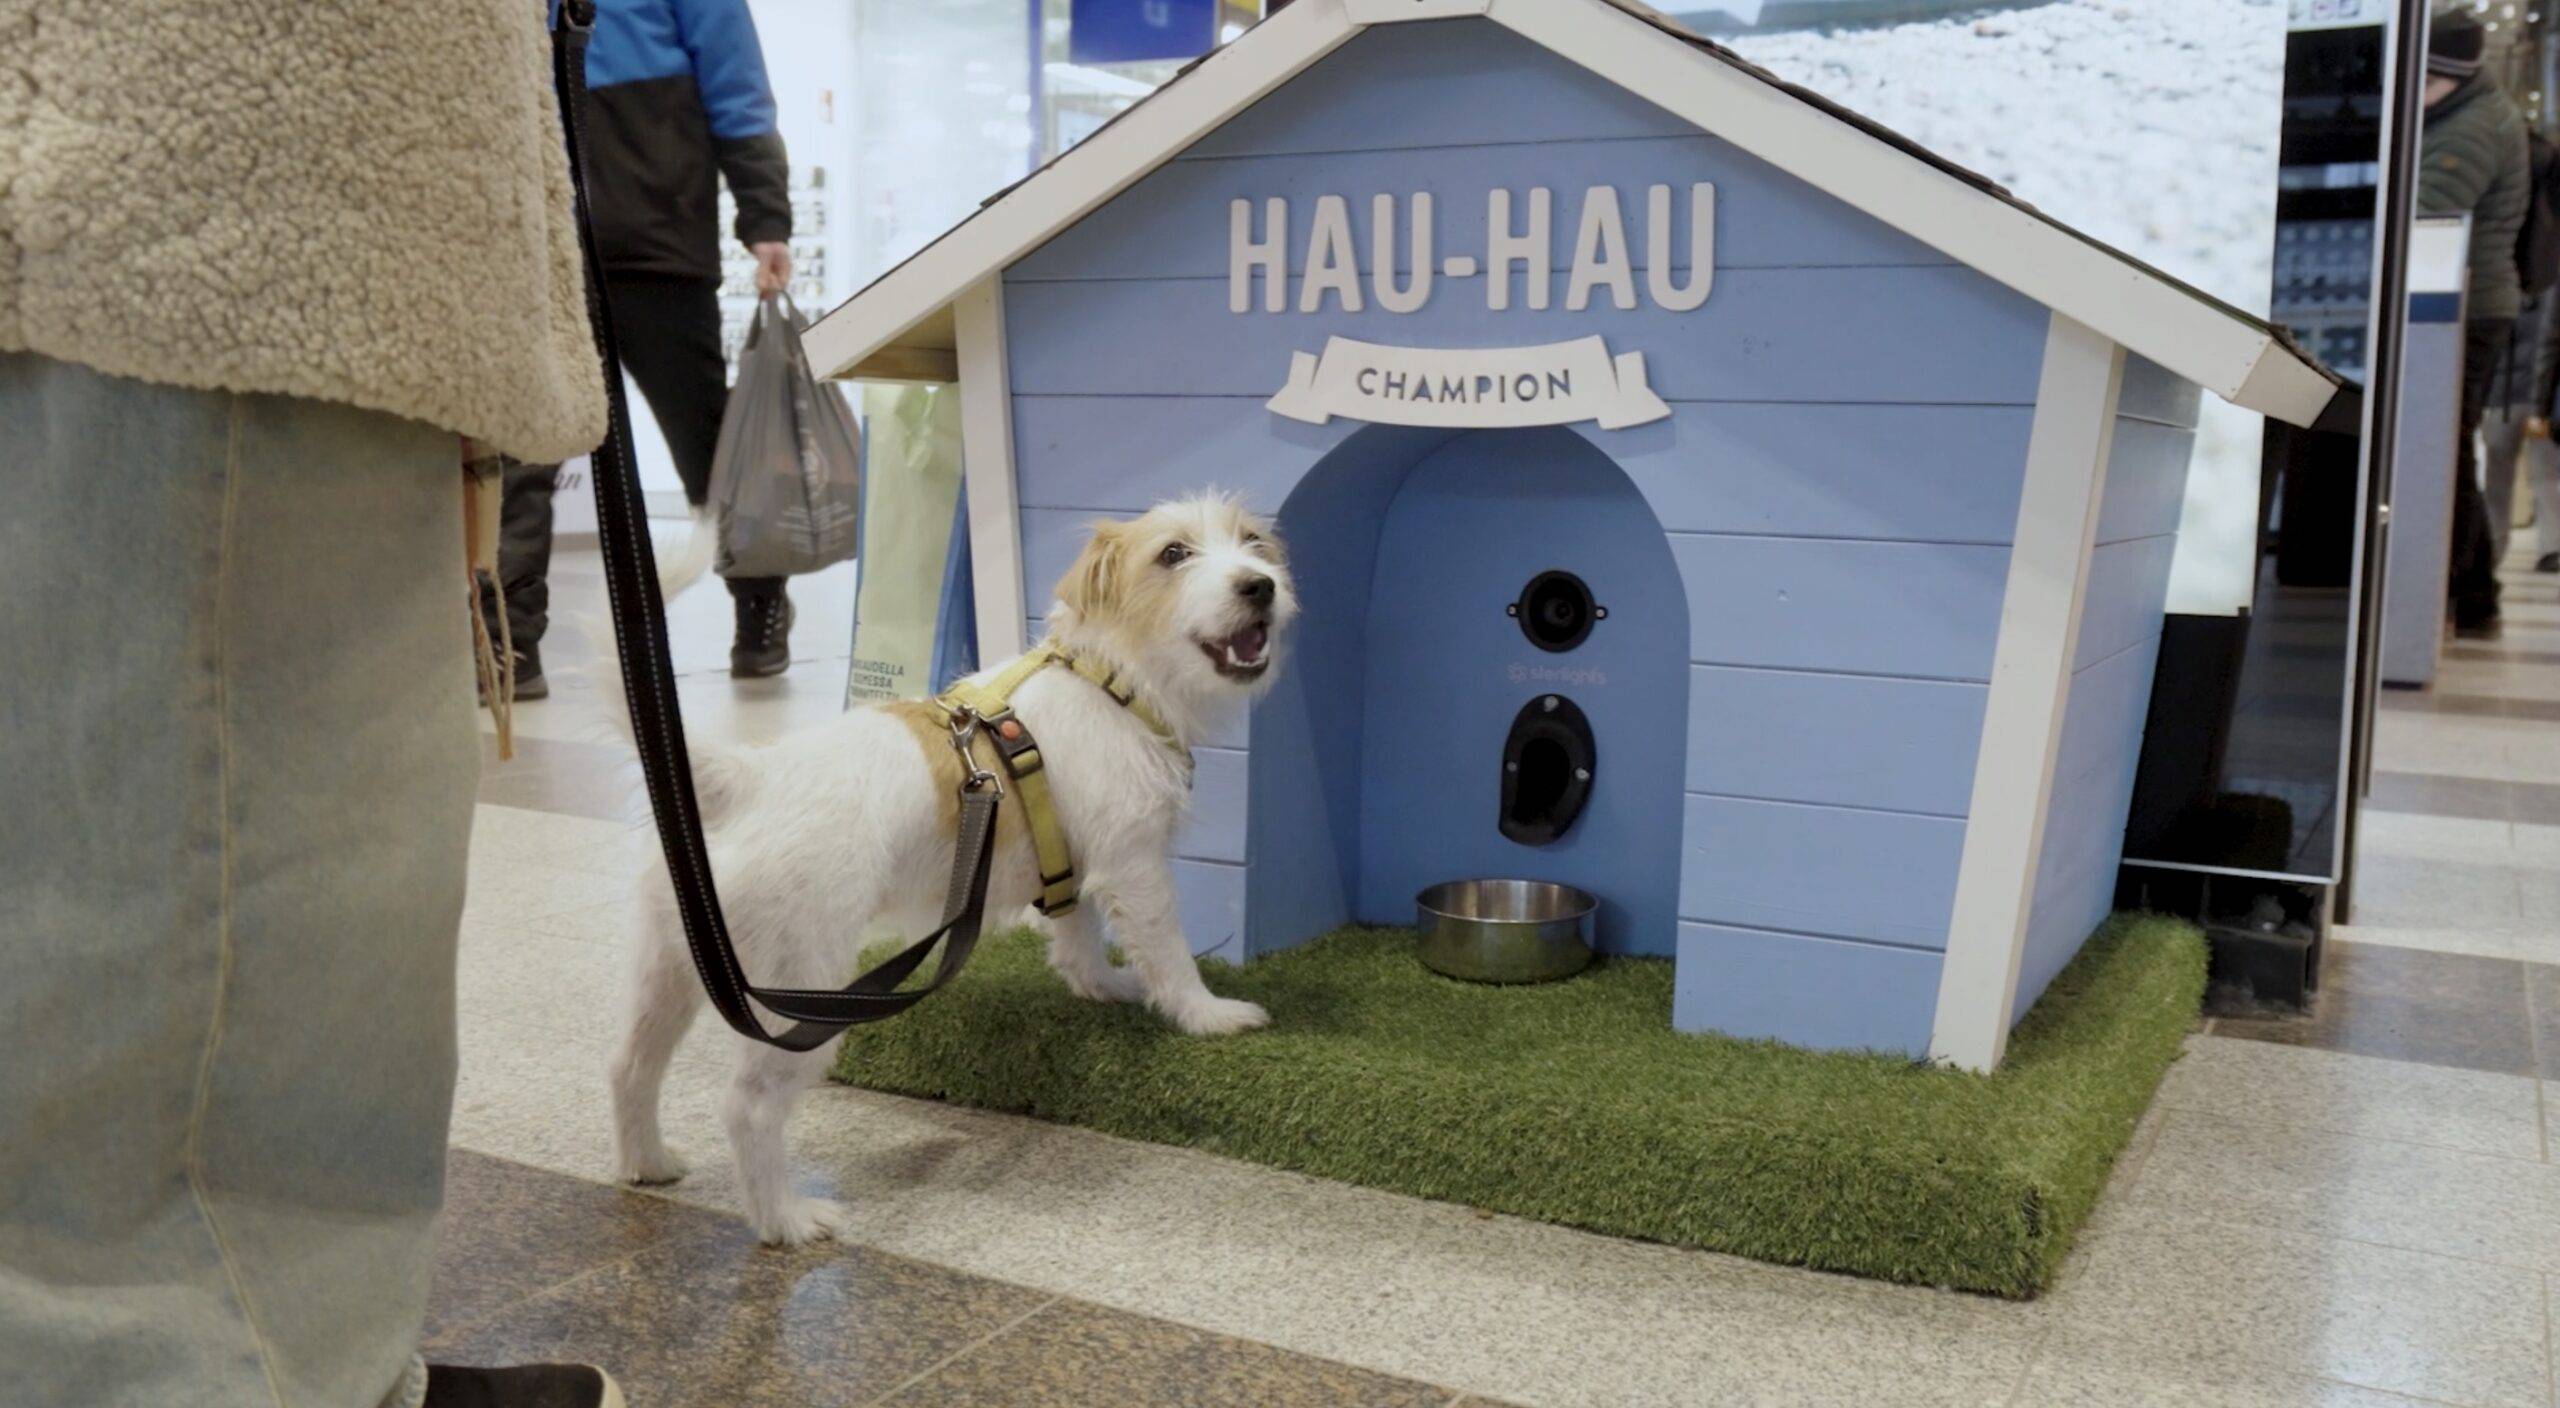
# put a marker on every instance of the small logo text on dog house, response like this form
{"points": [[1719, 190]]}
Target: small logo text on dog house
{"points": [[1519, 248], [1555, 384]]}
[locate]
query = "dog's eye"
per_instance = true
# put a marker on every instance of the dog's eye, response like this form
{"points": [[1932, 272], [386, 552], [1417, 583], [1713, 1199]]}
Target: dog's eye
{"points": [[1174, 554]]}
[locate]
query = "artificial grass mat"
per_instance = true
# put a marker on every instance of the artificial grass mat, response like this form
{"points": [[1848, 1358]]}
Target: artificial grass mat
{"points": [[1575, 1102]]}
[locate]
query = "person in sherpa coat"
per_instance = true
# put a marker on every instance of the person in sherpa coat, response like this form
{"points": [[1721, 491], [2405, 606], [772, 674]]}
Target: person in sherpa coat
{"points": [[261, 268], [2473, 159]]}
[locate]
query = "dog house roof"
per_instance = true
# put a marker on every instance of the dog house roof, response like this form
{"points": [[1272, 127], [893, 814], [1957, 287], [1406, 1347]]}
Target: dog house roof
{"points": [[901, 325]]}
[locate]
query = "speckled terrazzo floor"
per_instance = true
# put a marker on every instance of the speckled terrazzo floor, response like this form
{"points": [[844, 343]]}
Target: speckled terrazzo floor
{"points": [[2354, 1210], [687, 1310]]}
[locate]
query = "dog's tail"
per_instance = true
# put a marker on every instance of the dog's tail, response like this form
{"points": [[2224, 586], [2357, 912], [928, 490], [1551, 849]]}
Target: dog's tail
{"points": [[721, 777], [686, 566]]}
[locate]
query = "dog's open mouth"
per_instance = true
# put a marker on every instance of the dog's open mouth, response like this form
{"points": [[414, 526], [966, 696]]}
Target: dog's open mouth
{"points": [[1241, 656]]}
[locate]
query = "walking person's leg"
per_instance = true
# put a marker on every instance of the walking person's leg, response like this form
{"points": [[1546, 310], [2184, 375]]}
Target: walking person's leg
{"points": [[2502, 431], [231, 880], [524, 569], [2473, 589], [2542, 476], [668, 331]]}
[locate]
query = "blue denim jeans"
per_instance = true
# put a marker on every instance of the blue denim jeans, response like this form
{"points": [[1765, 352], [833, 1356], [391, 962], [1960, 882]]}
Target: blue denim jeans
{"points": [[235, 797]]}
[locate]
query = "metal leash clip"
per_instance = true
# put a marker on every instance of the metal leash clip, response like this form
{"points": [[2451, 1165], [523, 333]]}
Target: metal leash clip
{"points": [[965, 725]]}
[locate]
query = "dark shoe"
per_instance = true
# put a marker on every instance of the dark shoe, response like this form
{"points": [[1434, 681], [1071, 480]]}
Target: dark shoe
{"points": [[2548, 562], [529, 681], [528, 645], [2483, 628], [763, 643], [523, 1386]]}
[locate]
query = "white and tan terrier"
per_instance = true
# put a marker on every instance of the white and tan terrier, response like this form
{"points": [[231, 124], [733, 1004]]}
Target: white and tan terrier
{"points": [[847, 829]]}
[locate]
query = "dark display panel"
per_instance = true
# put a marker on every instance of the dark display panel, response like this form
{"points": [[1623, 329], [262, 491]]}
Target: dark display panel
{"points": [[2254, 727]]}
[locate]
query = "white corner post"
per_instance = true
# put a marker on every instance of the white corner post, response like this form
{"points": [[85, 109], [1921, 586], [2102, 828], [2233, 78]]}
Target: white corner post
{"points": [[2031, 665], [986, 468]]}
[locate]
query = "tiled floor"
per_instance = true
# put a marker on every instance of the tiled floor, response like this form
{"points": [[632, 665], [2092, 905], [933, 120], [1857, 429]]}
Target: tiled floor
{"points": [[2352, 1210], [687, 1309]]}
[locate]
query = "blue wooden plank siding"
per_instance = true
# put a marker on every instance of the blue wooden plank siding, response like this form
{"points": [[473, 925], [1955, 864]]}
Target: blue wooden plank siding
{"points": [[1840, 872], [1894, 472], [1896, 745], [1215, 828], [1836, 489], [1910, 473], [1151, 233], [1918, 610], [2111, 681], [2156, 394], [1823, 993], [1820, 335], [1210, 898]]}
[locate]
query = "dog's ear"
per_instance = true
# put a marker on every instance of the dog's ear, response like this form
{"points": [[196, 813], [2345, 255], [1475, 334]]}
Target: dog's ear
{"points": [[1269, 534], [1092, 585]]}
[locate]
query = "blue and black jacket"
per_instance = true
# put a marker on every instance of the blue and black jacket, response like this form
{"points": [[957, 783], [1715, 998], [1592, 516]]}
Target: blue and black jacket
{"points": [[676, 98]]}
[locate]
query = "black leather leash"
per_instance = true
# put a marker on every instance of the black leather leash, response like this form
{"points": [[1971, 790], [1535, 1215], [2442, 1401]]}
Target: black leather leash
{"points": [[649, 680]]}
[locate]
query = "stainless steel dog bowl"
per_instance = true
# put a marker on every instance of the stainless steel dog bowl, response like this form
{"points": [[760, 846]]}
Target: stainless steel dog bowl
{"points": [[1505, 931]]}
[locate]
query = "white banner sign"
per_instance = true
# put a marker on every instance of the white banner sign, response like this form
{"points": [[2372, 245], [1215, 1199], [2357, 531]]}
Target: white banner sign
{"points": [[1557, 384]]}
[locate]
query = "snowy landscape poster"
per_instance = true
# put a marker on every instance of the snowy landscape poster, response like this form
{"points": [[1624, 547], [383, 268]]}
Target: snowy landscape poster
{"points": [[2149, 124]]}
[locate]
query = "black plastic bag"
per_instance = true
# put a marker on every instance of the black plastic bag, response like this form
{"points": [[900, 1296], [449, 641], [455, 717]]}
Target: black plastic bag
{"points": [[786, 478]]}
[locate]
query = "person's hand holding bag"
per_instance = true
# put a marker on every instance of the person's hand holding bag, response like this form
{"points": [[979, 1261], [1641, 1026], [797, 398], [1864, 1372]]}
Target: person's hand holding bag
{"points": [[773, 265]]}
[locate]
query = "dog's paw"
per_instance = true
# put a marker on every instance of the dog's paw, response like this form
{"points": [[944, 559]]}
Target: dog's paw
{"points": [[803, 1220], [1219, 1016], [1102, 983], [659, 1165]]}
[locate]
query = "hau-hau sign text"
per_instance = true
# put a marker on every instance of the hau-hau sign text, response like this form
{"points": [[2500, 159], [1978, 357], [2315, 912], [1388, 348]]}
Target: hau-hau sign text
{"points": [[1520, 247]]}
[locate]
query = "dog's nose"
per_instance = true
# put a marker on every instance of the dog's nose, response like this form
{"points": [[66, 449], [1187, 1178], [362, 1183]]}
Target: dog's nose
{"points": [[1256, 588]]}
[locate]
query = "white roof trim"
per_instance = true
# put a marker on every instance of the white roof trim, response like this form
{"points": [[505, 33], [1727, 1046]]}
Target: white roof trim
{"points": [[2146, 313], [2282, 385], [1399, 11]]}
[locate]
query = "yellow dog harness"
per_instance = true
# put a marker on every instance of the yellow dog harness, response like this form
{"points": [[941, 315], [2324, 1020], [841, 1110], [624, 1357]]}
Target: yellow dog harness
{"points": [[984, 709]]}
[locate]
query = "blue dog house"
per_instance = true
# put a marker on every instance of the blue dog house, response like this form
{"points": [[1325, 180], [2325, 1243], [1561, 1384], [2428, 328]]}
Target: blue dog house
{"points": [[1697, 494]]}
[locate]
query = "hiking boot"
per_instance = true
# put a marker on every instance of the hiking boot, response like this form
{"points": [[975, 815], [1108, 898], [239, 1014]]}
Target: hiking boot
{"points": [[522, 1386], [2548, 562], [763, 643]]}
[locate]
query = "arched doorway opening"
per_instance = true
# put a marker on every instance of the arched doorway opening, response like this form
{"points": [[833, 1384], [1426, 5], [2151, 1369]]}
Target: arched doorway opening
{"points": [[1491, 679]]}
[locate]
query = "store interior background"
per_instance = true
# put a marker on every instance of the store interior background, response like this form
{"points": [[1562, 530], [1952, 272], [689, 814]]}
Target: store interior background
{"points": [[902, 117], [2351, 1207], [2153, 126]]}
